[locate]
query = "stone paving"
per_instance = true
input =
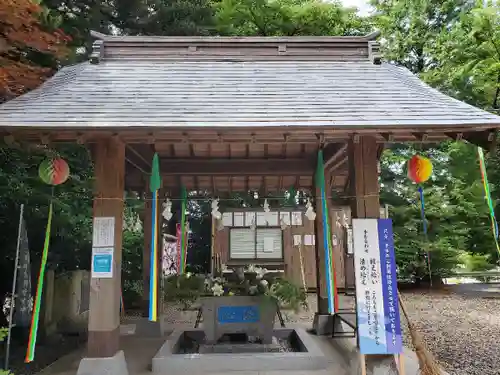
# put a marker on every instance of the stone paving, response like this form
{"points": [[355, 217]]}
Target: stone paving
{"points": [[139, 351]]}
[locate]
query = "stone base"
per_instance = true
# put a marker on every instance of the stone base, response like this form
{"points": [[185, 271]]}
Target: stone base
{"points": [[115, 365], [323, 324], [261, 311], [239, 348], [311, 358]]}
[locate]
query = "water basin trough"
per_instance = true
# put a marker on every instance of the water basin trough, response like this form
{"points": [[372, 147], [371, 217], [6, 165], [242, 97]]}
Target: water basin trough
{"points": [[186, 352]]}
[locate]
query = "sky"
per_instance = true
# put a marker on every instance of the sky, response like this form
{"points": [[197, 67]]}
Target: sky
{"points": [[362, 5]]}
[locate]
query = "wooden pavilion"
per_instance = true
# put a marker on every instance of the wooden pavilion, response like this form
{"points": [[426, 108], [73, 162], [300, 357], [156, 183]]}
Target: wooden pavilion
{"points": [[234, 114]]}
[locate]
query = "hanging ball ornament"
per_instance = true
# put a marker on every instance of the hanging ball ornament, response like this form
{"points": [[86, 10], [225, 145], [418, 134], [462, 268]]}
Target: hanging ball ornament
{"points": [[419, 169], [54, 171]]}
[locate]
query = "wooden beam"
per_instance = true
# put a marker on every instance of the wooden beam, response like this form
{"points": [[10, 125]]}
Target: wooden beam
{"points": [[237, 167], [338, 164], [484, 139], [333, 152], [140, 156]]}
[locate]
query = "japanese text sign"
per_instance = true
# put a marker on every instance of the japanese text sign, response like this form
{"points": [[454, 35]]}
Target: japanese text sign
{"points": [[379, 328]]}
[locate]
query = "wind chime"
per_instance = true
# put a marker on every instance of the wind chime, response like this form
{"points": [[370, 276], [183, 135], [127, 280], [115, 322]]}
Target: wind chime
{"points": [[419, 171], [53, 171]]}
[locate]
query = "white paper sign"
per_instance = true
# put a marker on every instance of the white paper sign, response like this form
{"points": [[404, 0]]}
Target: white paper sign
{"points": [[309, 240], [268, 245], [102, 262], [272, 218], [297, 218], [285, 218], [261, 219], [227, 219], [297, 240], [350, 249], [103, 232], [335, 240], [250, 219], [239, 219]]}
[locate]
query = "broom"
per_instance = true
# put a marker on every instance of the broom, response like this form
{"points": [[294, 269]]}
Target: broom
{"points": [[426, 361]]}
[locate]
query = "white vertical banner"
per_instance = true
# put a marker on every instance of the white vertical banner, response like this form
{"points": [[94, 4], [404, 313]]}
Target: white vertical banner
{"points": [[376, 293], [369, 297]]}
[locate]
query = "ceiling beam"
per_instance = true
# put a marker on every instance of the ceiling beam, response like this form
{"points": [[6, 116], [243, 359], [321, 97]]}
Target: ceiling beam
{"points": [[140, 156], [333, 152], [237, 167]]}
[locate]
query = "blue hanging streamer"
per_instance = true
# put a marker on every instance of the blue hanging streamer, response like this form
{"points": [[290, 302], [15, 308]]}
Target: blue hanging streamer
{"points": [[422, 209]]}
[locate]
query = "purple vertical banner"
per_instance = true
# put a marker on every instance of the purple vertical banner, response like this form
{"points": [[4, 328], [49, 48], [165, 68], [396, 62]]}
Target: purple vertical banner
{"points": [[389, 287]]}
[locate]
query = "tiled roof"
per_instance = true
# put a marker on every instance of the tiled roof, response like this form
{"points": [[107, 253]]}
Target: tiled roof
{"points": [[128, 91]]}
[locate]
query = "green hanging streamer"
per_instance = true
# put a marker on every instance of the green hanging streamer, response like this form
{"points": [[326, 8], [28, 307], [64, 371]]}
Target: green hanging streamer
{"points": [[30, 354]]}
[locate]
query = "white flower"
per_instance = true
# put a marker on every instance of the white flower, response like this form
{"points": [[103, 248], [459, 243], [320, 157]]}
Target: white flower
{"points": [[264, 283], [252, 290], [260, 272], [188, 275], [217, 290], [224, 267], [251, 268]]}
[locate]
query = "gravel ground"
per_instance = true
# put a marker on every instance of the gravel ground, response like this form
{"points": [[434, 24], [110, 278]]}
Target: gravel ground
{"points": [[463, 332]]}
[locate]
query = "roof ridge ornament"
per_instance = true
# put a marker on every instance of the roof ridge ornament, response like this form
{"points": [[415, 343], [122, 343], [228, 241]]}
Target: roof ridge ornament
{"points": [[97, 52], [374, 52]]}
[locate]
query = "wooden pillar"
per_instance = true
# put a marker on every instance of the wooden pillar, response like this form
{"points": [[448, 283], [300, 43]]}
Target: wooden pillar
{"points": [[321, 282], [363, 170], [338, 244], [364, 186], [104, 314]]}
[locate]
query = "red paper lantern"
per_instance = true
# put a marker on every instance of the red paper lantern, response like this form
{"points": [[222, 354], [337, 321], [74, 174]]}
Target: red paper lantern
{"points": [[54, 171], [419, 169]]}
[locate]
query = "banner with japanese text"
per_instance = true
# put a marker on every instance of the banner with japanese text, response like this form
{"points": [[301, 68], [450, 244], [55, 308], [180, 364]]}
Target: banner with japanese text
{"points": [[24, 300], [379, 328]]}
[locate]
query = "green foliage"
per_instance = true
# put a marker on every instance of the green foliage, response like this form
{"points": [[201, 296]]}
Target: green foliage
{"points": [[468, 59], [288, 294], [287, 18], [453, 46], [411, 28], [477, 262], [184, 289], [4, 332], [133, 243], [456, 213]]}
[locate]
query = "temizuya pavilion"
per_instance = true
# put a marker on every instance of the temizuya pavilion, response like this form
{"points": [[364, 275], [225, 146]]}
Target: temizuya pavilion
{"points": [[234, 114]]}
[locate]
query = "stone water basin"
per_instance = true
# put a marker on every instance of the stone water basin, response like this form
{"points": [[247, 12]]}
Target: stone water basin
{"points": [[186, 352]]}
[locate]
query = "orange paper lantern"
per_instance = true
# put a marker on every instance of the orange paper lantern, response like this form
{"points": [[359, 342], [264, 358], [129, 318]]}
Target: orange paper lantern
{"points": [[419, 169]]}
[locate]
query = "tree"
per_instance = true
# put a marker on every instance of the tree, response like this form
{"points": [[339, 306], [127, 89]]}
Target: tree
{"points": [[287, 18], [410, 28], [27, 37], [163, 17], [468, 59]]}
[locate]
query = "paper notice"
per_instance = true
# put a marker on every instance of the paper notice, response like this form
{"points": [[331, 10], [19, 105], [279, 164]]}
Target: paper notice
{"points": [[104, 232]]}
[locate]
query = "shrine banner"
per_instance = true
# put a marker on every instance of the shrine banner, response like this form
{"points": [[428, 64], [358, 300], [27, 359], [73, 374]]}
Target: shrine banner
{"points": [[178, 234], [379, 328], [24, 299]]}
